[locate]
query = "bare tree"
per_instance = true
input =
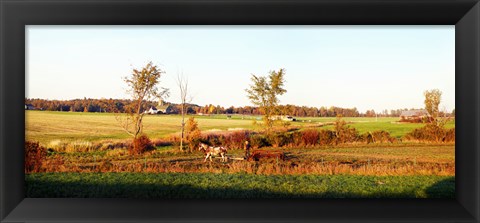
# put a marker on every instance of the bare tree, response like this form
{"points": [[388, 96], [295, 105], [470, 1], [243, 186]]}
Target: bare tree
{"points": [[142, 87], [182, 84]]}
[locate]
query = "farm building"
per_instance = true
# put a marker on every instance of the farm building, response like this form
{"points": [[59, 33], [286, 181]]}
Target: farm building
{"points": [[152, 111], [162, 108], [283, 118], [416, 115], [29, 107], [165, 109]]}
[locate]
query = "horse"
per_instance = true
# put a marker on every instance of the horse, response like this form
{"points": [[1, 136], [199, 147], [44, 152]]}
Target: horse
{"points": [[213, 151]]}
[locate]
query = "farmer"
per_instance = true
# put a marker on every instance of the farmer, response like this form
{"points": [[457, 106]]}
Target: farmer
{"points": [[247, 149]]}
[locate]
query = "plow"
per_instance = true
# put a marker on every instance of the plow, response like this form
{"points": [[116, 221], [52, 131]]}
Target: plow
{"points": [[258, 155]]}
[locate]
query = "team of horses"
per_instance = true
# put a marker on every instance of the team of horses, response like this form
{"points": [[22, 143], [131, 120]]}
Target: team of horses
{"points": [[255, 156]]}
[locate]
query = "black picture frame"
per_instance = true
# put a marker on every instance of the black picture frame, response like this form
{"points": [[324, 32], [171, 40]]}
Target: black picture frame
{"points": [[15, 14]]}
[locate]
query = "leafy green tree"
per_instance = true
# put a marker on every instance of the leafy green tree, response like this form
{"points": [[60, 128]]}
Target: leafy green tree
{"points": [[142, 87], [264, 92], [432, 101]]}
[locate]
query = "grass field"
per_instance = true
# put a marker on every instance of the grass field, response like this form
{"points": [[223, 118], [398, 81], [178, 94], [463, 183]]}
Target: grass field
{"points": [[45, 126], [401, 169], [365, 124], [207, 185]]}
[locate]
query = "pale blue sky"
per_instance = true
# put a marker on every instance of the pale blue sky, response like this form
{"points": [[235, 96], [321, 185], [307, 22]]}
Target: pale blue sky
{"points": [[368, 67]]}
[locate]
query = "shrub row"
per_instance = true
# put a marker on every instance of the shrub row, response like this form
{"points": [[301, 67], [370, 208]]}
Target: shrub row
{"points": [[231, 140], [377, 137], [305, 138], [432, 133]]}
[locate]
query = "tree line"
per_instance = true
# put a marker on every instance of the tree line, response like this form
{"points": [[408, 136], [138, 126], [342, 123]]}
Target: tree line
{"points": [[118, 105], [83, 105]]}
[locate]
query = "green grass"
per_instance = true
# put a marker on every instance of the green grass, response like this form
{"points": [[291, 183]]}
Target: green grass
{"points": [[208, 185], [388, 124]]}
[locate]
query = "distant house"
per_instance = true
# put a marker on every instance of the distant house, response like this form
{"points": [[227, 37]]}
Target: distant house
{"points": [[417, 115], [29, 107], [164, 108], [283, 118], [152, 111], [289, 118]]}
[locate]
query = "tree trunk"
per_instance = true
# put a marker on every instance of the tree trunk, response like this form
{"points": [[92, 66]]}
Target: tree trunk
{"points": [[183, 128], [181, 139]]}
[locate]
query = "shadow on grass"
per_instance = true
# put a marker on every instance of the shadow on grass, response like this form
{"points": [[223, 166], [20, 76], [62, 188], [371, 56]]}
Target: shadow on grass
{"points": [[51, 188], [442, 189]]}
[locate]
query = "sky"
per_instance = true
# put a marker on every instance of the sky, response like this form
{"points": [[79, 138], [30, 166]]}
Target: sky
{"points": [[367, 67]]}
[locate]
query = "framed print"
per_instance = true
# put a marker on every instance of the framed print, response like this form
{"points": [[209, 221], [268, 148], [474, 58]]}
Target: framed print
{"points": [[161, 111]]}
